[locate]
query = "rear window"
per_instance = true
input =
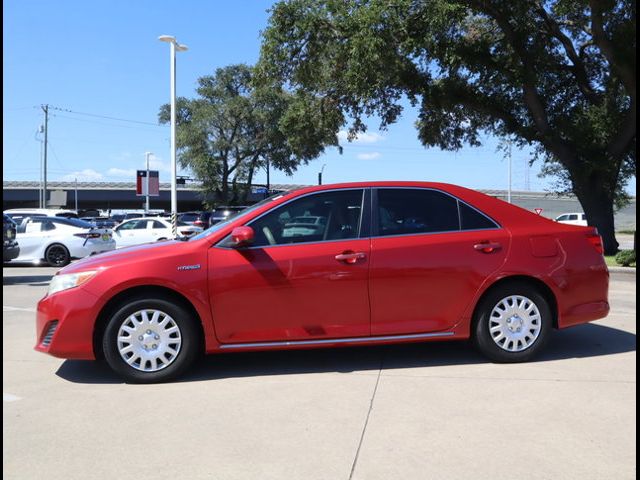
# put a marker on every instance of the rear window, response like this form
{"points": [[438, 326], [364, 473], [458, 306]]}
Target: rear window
{"points": [[189, 217], [74, 222]]}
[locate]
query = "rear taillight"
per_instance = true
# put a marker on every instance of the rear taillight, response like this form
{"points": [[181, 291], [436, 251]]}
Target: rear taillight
{"points": [[596, 241], [87, 235], [198, 223]]}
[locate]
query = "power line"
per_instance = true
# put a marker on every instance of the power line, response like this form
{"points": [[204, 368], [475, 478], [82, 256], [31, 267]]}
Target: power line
{"points": [[104, 116], [57, 115]]}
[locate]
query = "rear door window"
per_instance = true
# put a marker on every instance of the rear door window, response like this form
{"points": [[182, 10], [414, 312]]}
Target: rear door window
{"points": [[405, 211]]}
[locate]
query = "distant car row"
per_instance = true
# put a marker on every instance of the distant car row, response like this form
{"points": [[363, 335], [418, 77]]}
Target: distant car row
{"points": [[203, 219], [58, 240]]}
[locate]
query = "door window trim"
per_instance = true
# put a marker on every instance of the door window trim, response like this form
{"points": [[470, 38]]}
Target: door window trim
{"points": [[375, 220], [363, 227]]}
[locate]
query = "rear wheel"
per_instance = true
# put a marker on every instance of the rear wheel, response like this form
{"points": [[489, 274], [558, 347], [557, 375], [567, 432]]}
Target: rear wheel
{"points": [[57, 255], [512, 323], [150, 340]]}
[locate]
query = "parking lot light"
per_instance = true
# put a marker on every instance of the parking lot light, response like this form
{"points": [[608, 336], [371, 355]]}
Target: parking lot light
{"points": [[174, 188]]}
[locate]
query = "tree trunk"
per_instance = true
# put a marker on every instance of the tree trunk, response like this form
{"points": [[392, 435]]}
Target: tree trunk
{"points": [[598, 205], [225, 189]]}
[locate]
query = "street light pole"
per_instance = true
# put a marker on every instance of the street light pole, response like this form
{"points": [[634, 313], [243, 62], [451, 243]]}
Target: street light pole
{"points": [[174, 167], [509, 189], [320, 174], [146, 205]]}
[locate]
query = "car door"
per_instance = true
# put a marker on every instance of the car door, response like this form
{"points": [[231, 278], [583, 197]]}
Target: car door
{"points": [[296, 283], [131, 232], [158, 230], [430, 253], [31, 239]]}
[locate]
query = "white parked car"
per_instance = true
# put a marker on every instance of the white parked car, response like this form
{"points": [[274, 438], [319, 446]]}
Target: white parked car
{"points": [[144, 230], [57, 240], [573, 219]]}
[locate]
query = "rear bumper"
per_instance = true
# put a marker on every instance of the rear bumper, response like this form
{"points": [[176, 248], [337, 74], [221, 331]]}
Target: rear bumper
{"points": [[92, 248], [75, 312], [10, 252], [583, 296], [584, 313]]}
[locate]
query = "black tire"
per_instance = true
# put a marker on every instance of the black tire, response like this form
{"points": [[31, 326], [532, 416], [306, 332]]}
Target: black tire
{"points": [[173, 365], [57, 255], [528, 336]]}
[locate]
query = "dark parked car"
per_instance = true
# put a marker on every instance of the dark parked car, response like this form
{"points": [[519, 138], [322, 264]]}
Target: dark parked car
{"points": [[198, 219], [10, 248], [103, 222], [221, 214]]}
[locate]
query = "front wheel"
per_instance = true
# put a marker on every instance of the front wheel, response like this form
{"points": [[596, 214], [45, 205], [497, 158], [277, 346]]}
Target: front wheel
{"points": [[512, 323], [150, 340]]}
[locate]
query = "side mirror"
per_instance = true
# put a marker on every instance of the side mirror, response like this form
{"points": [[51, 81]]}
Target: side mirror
{"points": [[242, 236]]}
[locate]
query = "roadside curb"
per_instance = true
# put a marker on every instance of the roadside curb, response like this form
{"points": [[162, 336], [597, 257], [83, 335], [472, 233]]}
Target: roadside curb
{"points": [[628, 270]]}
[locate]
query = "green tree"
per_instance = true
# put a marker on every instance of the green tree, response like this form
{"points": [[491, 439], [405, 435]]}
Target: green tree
{"points": [[555, 75], [226, 134]]}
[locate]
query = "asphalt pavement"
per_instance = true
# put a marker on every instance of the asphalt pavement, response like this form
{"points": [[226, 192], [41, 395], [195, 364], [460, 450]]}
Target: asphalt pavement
{"points": [[420, 411]]}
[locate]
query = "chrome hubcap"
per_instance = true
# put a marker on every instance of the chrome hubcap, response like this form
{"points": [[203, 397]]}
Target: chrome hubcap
{"points": [[515, 323], [149, 340]]}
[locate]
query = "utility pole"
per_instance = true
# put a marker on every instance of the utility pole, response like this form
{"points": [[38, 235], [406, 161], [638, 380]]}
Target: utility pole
{"points": [[45, 109], [320, 174], [527, 183], [40, 140]]}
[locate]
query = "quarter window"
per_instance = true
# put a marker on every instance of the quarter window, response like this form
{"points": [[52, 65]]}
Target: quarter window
{"points": [[471, 219], [313, 218]]}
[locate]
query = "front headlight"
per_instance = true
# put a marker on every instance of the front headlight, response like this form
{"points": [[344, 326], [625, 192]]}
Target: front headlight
{"points": [[70, 280]]}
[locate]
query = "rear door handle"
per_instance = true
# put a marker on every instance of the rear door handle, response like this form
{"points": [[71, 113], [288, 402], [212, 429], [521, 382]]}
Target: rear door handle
{"points": [[351, 257], [487, 247]]}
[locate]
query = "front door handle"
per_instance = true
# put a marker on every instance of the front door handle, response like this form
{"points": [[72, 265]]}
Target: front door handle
{"points": [[487, 247], [350, 257]]}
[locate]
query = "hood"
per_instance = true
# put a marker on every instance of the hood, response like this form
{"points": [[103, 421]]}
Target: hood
{"points": [[124, 255]]}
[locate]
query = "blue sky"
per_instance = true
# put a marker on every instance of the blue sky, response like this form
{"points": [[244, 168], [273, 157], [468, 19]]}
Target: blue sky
{"points": [[103, 58]]}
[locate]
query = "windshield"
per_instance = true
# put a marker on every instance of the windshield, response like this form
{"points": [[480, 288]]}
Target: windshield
{"points": [[220, 225]]}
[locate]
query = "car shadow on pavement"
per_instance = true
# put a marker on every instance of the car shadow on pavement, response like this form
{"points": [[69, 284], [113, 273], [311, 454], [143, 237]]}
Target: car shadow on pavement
{"points": [[32, 280], [588, 340]]}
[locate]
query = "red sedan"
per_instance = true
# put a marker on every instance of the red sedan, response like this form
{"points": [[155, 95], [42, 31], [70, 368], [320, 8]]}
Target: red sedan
{"points": [[335, 265]]}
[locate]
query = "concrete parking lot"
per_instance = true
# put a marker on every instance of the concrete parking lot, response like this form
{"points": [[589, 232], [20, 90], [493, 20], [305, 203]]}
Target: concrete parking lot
{"points": [[422, 411]]}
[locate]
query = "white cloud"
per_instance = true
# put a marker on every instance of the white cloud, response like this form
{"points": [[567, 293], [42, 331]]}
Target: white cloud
{"points": [[122, 172], [368, 155], [156, 163], [365, 137], [86, 175]]}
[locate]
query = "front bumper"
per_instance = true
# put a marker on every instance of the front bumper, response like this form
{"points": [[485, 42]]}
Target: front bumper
{"points": [[75, 311]]}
